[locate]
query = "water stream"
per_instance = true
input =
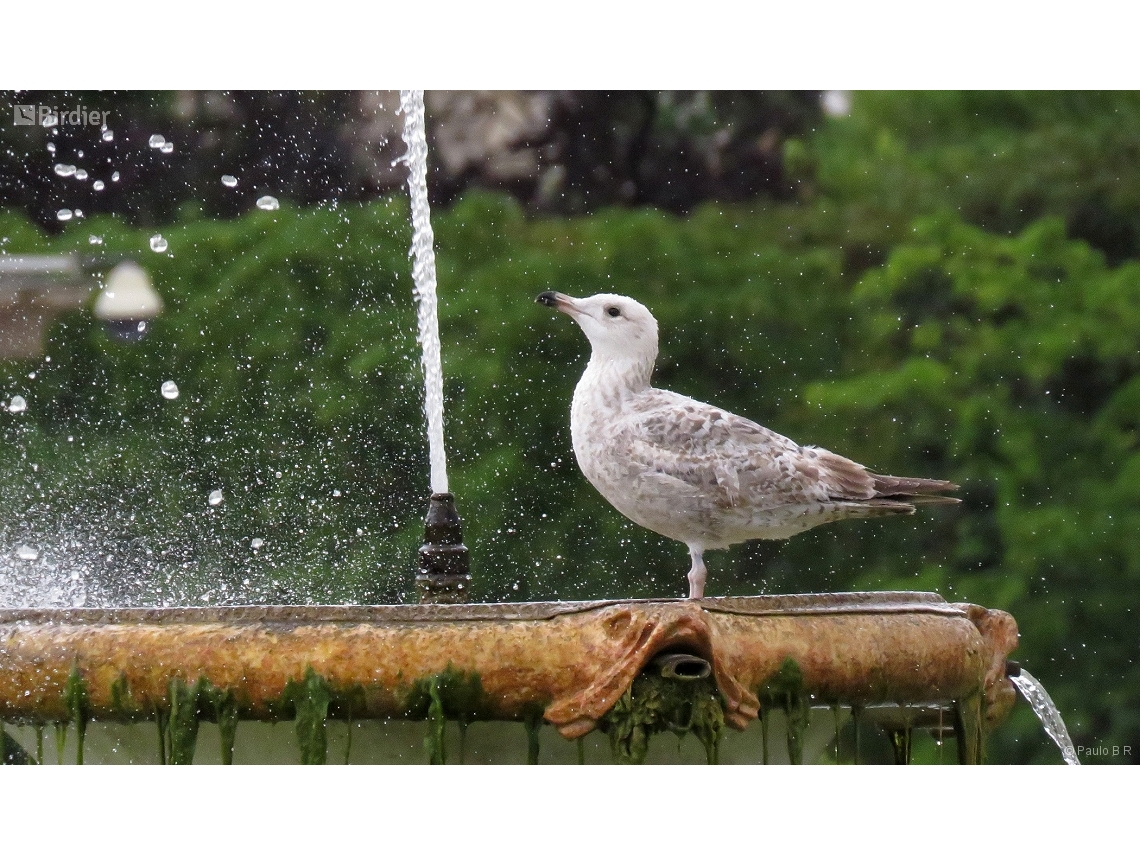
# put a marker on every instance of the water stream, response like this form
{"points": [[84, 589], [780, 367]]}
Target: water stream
{"points": [[423, 274], [1047, 711]]}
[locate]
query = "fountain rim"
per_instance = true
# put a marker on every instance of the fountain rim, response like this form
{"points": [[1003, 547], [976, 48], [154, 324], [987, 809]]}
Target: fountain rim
{"points": [[767, 605]]}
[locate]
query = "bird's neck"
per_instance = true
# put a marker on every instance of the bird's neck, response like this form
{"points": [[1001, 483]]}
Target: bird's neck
{"points": [[610, 380]]}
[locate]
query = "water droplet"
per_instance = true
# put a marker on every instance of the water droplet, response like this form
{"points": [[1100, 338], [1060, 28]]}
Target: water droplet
{"points": [[156, 140], [114, 176], [108, 135], [256, 543], [336, 494], [158, 243], [166, 148], [50, 120], [268, 203], [17, 404], [81, 175], [51, 146], [170, 390], [216, 498], [78, 212], [95, 240], [64, 169], [98, 185], [63, 214], [229, 181], [27, 553]]}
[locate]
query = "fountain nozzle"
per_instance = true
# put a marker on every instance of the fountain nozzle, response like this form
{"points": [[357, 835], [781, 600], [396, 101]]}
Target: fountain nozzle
{"points": [[445, 567]]}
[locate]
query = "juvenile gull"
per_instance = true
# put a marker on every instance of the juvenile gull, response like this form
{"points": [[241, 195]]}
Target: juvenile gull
{"points": [[693, 472]]}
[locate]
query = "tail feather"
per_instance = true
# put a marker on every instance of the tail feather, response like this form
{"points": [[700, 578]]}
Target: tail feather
{"points": [[917, 490], [868, 508]]}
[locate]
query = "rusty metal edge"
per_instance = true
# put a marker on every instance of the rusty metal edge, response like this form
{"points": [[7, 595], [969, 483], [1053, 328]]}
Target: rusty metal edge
{"points": [[886, 602]]}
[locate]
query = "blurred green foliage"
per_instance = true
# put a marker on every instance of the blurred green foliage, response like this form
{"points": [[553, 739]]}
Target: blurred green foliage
{"points": [[954, 294]]}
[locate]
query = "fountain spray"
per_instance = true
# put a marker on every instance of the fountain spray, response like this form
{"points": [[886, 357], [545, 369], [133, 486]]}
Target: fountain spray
{"points": [[444, 571]]}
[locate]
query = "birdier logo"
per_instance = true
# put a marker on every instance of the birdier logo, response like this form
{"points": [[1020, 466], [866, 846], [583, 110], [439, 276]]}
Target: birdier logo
{"points": [[42, 114]]}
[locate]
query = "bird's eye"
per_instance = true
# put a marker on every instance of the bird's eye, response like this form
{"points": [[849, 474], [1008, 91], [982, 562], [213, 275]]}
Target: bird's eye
{"points": [[613, 312]]}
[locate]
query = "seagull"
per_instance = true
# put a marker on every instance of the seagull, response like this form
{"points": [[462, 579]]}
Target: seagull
{"points": [[694, 472]]}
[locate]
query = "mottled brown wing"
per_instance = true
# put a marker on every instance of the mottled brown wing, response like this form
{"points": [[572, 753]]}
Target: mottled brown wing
{"points": [[726, 457]]}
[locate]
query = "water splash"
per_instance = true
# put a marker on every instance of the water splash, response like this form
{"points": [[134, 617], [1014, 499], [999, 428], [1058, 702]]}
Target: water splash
{"points": [[423, 274], [1032, 690]]}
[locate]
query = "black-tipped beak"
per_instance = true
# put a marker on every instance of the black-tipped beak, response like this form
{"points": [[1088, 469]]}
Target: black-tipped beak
{"points": [[554, 300]]}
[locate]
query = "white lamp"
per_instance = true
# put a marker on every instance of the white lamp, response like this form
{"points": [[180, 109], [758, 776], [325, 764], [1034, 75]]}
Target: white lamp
{"points": [[128, 302]]}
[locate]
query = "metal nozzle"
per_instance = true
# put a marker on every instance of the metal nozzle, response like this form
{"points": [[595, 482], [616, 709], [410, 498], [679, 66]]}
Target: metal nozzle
{"points": [[682, 666], [445, 568]]}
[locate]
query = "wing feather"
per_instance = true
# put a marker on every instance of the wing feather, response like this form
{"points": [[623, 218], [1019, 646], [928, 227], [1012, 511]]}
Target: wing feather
{"points": [[728, 458]]}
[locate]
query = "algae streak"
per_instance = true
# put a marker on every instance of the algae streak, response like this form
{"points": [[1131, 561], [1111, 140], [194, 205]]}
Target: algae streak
{"points": [[310, 699], [449, 694], [76, 699], [224, 707], [182, 724], [786, 689]]}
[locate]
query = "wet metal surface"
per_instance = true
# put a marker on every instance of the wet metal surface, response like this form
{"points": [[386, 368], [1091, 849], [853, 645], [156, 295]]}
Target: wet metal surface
{"points": [[572, 660]]}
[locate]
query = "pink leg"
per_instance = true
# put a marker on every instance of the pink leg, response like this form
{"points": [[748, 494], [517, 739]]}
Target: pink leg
{"points": [[697, 574]]}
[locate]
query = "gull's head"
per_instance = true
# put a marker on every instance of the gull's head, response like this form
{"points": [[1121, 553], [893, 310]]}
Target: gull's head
{"points": [[617, 327]]}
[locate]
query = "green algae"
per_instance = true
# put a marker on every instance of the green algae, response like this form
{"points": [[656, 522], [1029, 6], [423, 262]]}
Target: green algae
{"points": [[348, 739], [533, 724], [654, 704], [968, 717], [221, 702], [310, 699], [901, 744], [763, 714], [435, 742], [40, 744], [450, 694], [123, 704], [462, 724], [786, 689], [161, 719], [182, 725], [78, 705], [60, 740]]}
